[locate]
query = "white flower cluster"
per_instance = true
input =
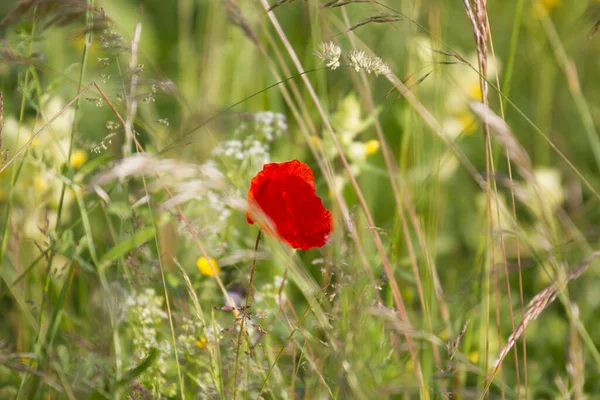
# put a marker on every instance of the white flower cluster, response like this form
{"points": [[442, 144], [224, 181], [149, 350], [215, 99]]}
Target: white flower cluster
{"points": [[145, 309], [329, 53], [270, 125], [216, 203], [251, 146], [145, 313], [190, 333], [229, 149], [249, 150]]}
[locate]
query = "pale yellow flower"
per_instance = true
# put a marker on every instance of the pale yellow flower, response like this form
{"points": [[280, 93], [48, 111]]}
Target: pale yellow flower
{"points": [[34, 143], [447, 165], [467, 84], [547, 194], [62, 124], [316, 141], [40, 184], [207, 267], [347, 119], [422, 47]]}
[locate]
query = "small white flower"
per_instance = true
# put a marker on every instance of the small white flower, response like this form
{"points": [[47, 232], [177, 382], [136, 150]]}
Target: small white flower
{"points": [[271, 125], [357, 151], [329, 53]]}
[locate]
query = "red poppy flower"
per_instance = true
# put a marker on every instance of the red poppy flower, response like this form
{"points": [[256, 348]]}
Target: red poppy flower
{"points": [[285, 192]]}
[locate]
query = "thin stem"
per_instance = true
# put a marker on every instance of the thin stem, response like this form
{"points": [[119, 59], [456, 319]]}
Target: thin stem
{"points": [[250, 296], [244, 315], [166, 293]]}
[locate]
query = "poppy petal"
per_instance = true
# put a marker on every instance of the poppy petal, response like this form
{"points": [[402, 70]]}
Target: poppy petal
{"points": [[285, 192]]}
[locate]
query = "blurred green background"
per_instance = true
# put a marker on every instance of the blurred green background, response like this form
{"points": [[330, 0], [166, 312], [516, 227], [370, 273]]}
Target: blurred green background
{"points": [[69, 326]]}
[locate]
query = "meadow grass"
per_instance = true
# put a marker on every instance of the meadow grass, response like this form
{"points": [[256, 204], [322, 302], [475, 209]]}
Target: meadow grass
{"points": [[455, 143]]}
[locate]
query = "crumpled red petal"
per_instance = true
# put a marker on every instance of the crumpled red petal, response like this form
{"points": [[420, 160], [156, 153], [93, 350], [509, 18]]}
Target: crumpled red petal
{"points": [[285, 192]]}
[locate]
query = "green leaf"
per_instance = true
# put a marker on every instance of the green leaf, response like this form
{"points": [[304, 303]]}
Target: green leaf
{"points": [[119, 208], [123, 248], [137, 371], [95, 162]]}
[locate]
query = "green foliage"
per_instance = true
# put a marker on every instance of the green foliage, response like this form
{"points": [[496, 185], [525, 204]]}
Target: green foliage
{"points": [[450, 254]]}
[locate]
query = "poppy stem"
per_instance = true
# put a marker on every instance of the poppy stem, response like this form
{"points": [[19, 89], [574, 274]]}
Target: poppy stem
{"points": [[245, 315], [250, 296]]}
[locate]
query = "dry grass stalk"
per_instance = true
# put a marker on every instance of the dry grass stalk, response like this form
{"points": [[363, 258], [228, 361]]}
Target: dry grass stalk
{"points": [[594, 29], [1, 117], [478, 20], [506, 139], [576, 362], [142, 164], [377, 19], [516, 153], [338, 3], [237, 18], [279, 3], [131, 99], [539, 303], [478, 23], [452, 346], [419, 81], [3, 152]]}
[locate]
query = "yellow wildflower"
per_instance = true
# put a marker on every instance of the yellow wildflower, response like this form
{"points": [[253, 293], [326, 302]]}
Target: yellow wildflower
{"points": [[475, 91], [468, 122], [27, 360], [550, 4], [372, 146], [474, 356], [78, 158], [543, 7], [34, 143], [204, 266], [201, 343]]}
